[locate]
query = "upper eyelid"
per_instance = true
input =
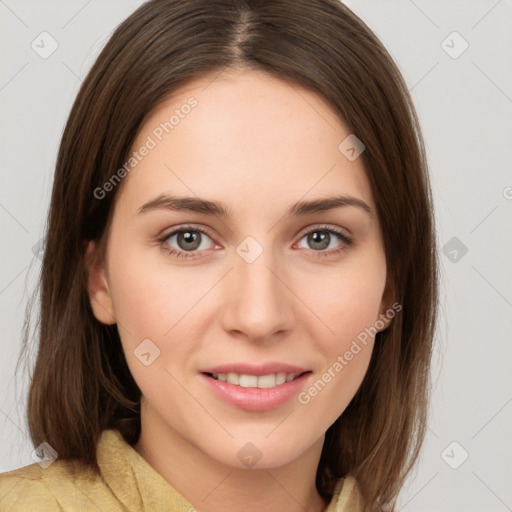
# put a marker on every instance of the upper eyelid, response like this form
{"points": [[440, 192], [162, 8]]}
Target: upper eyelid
{"points": [[184, 227], [324, 227]]}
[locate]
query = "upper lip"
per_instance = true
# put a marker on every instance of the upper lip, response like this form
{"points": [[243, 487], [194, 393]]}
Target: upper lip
{"points": [[258, 370]]}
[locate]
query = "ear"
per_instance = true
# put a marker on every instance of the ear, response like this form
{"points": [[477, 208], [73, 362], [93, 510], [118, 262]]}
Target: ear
{"points": [[386, 305], [97, 285]]}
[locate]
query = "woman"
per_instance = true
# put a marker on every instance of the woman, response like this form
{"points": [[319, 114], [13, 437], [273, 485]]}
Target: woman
{"points": [[239, 285]]}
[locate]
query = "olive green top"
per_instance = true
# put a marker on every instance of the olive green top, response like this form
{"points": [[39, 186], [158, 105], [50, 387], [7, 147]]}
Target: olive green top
{"points": [[126, 483]]}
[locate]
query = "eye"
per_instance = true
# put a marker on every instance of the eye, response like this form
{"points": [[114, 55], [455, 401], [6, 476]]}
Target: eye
{"points": [[321, 238], [190, 241], [186, 242]]}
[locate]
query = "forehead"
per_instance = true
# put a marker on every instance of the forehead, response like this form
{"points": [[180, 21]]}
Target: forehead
{"points": [[242, 136]]}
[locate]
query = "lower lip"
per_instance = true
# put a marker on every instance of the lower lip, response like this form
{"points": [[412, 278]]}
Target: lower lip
{"points": [[256, 399]]}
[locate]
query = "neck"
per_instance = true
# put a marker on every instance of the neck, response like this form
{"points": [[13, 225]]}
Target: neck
{"points": [[212, 486]]}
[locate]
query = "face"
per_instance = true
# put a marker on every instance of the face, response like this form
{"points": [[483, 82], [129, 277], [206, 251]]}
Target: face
{"points": [[257, 283]]}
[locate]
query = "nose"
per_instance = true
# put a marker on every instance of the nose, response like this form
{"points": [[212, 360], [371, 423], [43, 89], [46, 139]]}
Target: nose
{"points": [[258, 304]]}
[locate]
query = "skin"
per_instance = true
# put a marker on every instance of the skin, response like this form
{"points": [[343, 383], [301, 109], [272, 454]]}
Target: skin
{"points": [[258, 145]]}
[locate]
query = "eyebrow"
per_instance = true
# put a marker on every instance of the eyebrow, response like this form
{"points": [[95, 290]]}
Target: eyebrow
{"points": [[198, 205]]}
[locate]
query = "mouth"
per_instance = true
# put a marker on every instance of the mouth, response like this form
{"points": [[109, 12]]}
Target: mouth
{"points": [[244, 380], [255, 393]]}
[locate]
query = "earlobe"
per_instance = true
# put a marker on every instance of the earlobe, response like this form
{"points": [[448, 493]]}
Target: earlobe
{"points": [[97, 286], [383, 322], [386, 312]]}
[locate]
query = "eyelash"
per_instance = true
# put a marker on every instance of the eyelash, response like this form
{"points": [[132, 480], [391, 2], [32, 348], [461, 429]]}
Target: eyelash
{"points": [[347, 241]]}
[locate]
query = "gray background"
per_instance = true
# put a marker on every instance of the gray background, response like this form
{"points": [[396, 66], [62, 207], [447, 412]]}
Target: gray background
{"points": [[465, 105]]}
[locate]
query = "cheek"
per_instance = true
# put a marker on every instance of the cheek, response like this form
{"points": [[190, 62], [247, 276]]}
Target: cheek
{"points": [[348, 303], [347, 300], [152, 302], [350, 310], [139, 306], [148, 310], [147, 297]]}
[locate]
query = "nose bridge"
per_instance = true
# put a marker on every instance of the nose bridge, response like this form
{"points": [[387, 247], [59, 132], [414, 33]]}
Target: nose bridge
{"points": [[258, 305]]}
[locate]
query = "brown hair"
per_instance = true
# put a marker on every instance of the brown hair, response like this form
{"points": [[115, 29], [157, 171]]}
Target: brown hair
{"points": [[81, 383]]}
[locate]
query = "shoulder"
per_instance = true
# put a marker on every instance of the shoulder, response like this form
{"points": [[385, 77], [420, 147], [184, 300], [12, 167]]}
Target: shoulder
{"points": [[26, 489], [64, 485], [19, 492], [346, 497]]}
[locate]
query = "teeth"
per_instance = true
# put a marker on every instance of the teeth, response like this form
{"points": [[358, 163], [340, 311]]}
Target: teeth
{"points": [[233, 378], [253, 381], [249, 381], [280, 378]]}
